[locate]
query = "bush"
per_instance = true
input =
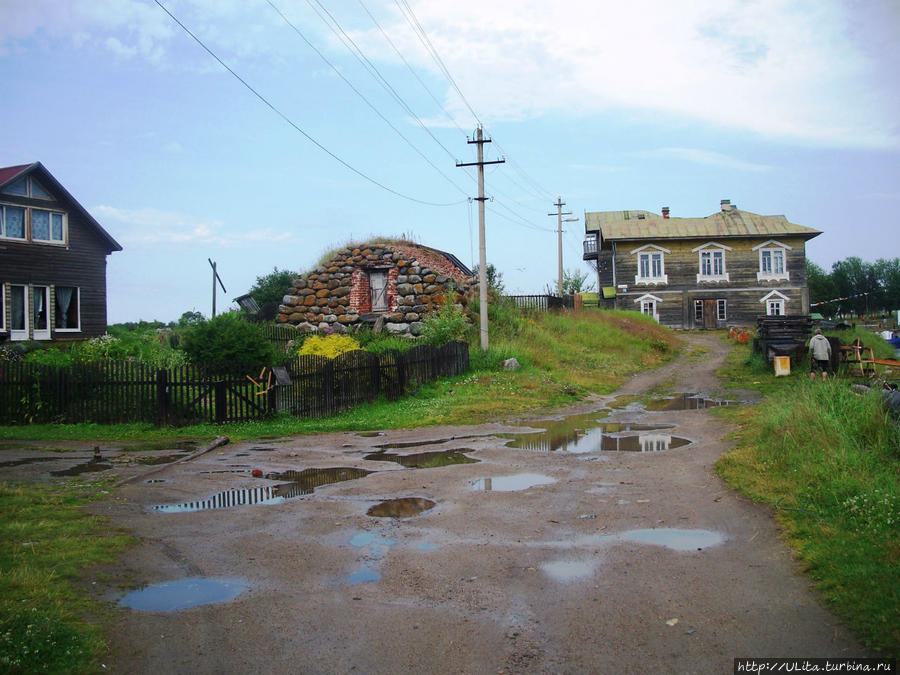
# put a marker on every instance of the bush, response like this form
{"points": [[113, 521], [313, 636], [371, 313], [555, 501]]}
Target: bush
{"points": [[378, 343], [328, 345], [229, 338], [450, 323]]}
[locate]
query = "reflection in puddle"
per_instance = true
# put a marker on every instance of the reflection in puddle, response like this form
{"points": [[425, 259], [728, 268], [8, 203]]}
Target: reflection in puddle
{"points": [[301, 483], [586, 433], [426, 546], [162, 459], [677, 540], [399, 445], [369, 434], [425, 460], [28, 460], [361, 539], [519, 481], [183, 446], [366, 575], [404, 507], [88, 467], [175, 595], [568, 570], [677, 402], [261, 449]]}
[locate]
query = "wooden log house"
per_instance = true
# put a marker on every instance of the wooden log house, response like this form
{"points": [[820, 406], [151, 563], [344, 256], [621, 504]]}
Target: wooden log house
{"points": [[725, 269], [52, 260]]}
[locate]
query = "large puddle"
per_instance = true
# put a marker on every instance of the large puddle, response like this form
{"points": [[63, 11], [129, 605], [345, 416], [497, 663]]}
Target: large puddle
{"points": [[87, 467], [175, 595], [514, 483], [588, 433], [424, 460], [677, 540], [301, 483], [684, 401]]}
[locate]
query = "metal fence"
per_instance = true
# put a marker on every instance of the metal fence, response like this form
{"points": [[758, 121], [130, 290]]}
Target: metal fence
{"points": [[542, 303], [108, 392]]}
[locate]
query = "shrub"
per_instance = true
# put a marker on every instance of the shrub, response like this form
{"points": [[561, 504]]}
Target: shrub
{"points": [[378, 343], [229, 337], [328, 345], [450, 323]]}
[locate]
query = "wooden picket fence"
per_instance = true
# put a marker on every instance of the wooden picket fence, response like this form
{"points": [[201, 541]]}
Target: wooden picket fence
{"points": [[109, 392]]}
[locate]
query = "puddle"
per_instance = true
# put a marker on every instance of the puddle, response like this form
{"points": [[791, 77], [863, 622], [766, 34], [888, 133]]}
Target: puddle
{"points": [[163, 459], [519, 481], [677, 540], [156, 480], [364, 576], [27, 460], [586, 433], [369, 434], [242, 454], [175, 595], [362, 539], [404, 507], [399, 445], [88, 467], [568, 570], [261, 449], [425, 460], [183, 446], [301, 483], [426, 546], [677, 402]]}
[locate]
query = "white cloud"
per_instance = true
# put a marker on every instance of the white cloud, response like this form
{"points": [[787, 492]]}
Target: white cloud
{"points": [[708, 157], [155, 227]]}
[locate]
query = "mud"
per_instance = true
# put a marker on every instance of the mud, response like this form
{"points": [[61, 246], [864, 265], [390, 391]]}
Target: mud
{"points": [[627, 562]]}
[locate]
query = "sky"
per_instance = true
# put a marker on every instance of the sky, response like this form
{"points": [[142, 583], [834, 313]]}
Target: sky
{"points": [[284, 129]]}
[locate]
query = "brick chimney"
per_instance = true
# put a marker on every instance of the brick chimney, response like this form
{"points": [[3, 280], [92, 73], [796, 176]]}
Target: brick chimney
{"points": [[665, 211], [726, 205]]}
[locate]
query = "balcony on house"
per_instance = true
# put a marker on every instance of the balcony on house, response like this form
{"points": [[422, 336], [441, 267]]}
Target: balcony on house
{"points": [[590, 247]]}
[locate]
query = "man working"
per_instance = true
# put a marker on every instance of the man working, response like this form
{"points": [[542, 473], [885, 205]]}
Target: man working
{"points": [[819, 355]]}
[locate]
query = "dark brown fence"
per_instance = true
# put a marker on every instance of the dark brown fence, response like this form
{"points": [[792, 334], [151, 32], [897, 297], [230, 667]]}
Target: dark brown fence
{"points": [[107, 392], [541, 303]]}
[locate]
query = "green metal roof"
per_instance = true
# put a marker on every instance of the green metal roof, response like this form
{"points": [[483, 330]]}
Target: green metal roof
{"points": [[625, 225]]}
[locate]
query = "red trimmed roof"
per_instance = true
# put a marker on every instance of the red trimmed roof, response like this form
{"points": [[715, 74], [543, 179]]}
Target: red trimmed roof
{"points": [[7, 173]]}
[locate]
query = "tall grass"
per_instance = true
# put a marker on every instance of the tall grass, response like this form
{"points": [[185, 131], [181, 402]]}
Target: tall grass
{"points": [[828, 459]]}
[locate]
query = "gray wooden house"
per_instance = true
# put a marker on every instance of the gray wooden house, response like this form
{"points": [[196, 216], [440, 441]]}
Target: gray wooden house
{"points": [[725, 269], [52, 260]]}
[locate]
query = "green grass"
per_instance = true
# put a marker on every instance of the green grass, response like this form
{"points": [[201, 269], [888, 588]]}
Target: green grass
{"points": [[828, 460], [46, 541]]}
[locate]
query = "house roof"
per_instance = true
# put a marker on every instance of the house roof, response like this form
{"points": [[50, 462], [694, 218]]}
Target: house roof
{"points": [[634, 225], [10, 173]]}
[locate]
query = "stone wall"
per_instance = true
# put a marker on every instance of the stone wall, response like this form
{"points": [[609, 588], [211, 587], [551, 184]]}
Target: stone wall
{"points": [[337, 295]]}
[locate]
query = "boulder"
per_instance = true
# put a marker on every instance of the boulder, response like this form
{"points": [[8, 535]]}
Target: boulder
{"points": [[511, 364]]}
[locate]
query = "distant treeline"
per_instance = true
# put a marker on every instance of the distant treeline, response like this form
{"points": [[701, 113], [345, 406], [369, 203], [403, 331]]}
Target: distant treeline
{"points": [[855, 287]]}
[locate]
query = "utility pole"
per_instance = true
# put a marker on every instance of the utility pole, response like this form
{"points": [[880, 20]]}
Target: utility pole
{"points": [[482, 248], [559, 221], [216, 278]]}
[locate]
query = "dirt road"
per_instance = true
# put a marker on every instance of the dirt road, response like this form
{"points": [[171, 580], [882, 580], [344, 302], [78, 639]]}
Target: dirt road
{"points": [[619, 562]]}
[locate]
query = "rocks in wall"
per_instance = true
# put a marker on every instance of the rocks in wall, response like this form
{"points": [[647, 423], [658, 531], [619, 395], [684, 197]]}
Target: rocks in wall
{"points": [[338, 294]]}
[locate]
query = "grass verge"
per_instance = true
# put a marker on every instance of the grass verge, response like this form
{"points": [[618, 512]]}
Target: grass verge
{"points": [[46, 541], [828, 460]]}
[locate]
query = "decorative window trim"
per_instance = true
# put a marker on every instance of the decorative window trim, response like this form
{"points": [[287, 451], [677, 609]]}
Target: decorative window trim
{"points": [[771, 246], [644, 301], [712, 248], [775, 299], [648, 250]]}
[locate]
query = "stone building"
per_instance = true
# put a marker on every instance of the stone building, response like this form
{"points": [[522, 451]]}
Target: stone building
{"points": [[396, 281]]}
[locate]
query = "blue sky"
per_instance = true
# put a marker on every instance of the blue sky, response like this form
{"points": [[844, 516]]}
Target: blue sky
{"points": [[784, 107]]}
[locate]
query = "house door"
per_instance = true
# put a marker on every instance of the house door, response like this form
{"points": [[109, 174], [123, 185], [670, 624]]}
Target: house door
{"points": [[18, 312], [709, 314], [40, 305], [378, 288]]}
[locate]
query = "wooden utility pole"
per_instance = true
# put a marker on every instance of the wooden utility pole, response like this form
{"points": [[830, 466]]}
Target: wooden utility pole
{"points": [[559, 221], [482, 249], [216, 278]]}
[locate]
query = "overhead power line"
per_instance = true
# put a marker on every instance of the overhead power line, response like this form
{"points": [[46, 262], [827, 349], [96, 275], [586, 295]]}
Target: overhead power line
{"points": [[293, 124]]}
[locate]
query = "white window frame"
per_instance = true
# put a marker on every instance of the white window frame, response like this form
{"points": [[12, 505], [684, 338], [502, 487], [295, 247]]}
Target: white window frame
{"points": [[651, 302], [721, 309], [3, 234], [22, 333], [76, 297], [771, 247], [51, 240], [711, 249], [29, 224], [38, 290], [773, 300], [648, 252]]}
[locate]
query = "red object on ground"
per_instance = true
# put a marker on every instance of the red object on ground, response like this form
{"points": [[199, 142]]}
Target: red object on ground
{"points": [[257, 473]]}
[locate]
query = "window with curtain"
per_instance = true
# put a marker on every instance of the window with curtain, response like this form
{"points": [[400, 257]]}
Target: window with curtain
{"points": [[12, 222], [66, 313], [40, 302], [46, 225]]}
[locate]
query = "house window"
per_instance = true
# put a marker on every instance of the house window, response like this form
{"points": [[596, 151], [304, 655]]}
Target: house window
{"points": [[712, 262], [12, 222], [775, 303], [698, 311], [649, 305], [27, 187], [67, 314], [721, 314], [772, 261], [651, 265], [46, 225]]}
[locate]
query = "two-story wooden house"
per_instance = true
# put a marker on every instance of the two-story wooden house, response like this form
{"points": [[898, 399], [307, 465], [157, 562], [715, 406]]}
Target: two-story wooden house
{"points": [[52, 260], [725, 269]]}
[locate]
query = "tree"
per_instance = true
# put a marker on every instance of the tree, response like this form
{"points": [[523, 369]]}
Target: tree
{"points": [[821, 285], [272, 287], [854, 277], [190, 319], [229, 338], [576, 282], [494, 279], [887, 272]]}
